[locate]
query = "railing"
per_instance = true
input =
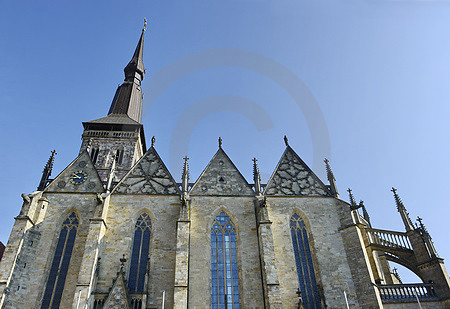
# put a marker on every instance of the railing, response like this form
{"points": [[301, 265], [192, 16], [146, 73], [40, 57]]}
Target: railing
{"points": [[407, 292], [109, 134], [391, 239]]}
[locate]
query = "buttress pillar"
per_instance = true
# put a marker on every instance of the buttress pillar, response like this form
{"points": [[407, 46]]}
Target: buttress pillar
{"points": [[182, 261], [268, 261], [86, 278]]}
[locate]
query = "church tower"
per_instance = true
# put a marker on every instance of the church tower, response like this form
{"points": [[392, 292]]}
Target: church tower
{"points": [[115, 230], [119, 135]]}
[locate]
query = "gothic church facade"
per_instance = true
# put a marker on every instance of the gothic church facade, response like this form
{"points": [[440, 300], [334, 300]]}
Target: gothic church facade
{"points": [[115, 230]]}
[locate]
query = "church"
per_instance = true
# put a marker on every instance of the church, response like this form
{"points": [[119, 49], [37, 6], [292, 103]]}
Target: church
{"points": [[116, 230]]}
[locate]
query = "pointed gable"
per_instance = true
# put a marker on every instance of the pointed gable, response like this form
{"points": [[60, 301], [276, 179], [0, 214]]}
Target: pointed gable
{"points": [[118, 295], [79, 176], [293, 177], [148, 176], [221, 177]]}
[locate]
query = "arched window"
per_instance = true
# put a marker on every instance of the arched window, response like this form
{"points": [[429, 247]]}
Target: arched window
{"points": [[224, 268], [304, 263], [60, 263], [139, 255]]}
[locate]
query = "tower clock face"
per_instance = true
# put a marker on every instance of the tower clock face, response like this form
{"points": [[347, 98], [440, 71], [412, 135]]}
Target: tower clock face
{"points": [[78, 177]]}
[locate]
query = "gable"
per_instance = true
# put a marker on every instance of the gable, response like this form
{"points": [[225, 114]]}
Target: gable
{"points": [[79, 176], [148, 176], [293, 177], [221, 177], [118, 296]]}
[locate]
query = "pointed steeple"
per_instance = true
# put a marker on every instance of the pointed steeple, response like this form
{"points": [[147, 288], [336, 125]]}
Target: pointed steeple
{"points": [[331, 179], [128, 97], [256, 177], [136, 65], [402, 210], [46, 173]]}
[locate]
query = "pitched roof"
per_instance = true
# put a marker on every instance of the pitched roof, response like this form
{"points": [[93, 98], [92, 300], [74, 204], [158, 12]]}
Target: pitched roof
{"points": [[148, 176], [293, 177], [221, 177]]}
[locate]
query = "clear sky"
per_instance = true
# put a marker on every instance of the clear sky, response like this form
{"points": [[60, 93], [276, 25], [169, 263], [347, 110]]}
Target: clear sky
{"points": [[372, 76]]}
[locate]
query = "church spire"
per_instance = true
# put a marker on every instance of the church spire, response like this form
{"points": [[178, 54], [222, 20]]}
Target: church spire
{"points": [[136, 65], [402, 210], [128, 97]]}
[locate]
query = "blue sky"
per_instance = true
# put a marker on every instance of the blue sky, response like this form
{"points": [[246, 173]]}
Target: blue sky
{"points": [[378, 71]]}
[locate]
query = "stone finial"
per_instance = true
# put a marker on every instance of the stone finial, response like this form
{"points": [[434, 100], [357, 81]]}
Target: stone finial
{"points": [[46, 173], [352, 199], [185, 175], [402, 210], [330, 174], [365, 213], [153, 141], [123, 260], [220, 142], [331, 178], [256, 177], [286, 141]]}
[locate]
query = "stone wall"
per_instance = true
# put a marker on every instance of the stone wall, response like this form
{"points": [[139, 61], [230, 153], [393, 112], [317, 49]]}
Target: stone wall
{"points": [[123, 212], [241, 210], [329, 256]]}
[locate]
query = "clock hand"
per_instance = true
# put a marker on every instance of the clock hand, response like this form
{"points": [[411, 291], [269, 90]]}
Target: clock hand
{"points": [[77, 176]]}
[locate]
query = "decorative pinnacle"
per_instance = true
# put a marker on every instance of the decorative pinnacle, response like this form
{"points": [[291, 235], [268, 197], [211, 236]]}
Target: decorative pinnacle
{"points": [[352, 198], [47, 171], [153, 141], [398, 200], [256, 176], [402, 210], [51, 160], [145, 24], [220, 142], [330, 174], [185, 173], [286, 141]]}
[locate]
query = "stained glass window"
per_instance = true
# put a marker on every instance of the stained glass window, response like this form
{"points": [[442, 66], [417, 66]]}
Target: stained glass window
{"points": [[303, 261], [60, 264], [139, 254], [224, 267]]}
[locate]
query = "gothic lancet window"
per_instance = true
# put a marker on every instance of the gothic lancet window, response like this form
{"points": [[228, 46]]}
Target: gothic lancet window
{"points": [[303, 260], [119, 156], [139, 254], [60, 263], [94, 155], [224, 268]]}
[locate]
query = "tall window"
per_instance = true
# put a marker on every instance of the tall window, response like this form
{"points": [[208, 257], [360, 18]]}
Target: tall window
{"points": [[119, 156], [139, 255], [224, 269], [303, 261], [94, 155], [60, 263]]}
